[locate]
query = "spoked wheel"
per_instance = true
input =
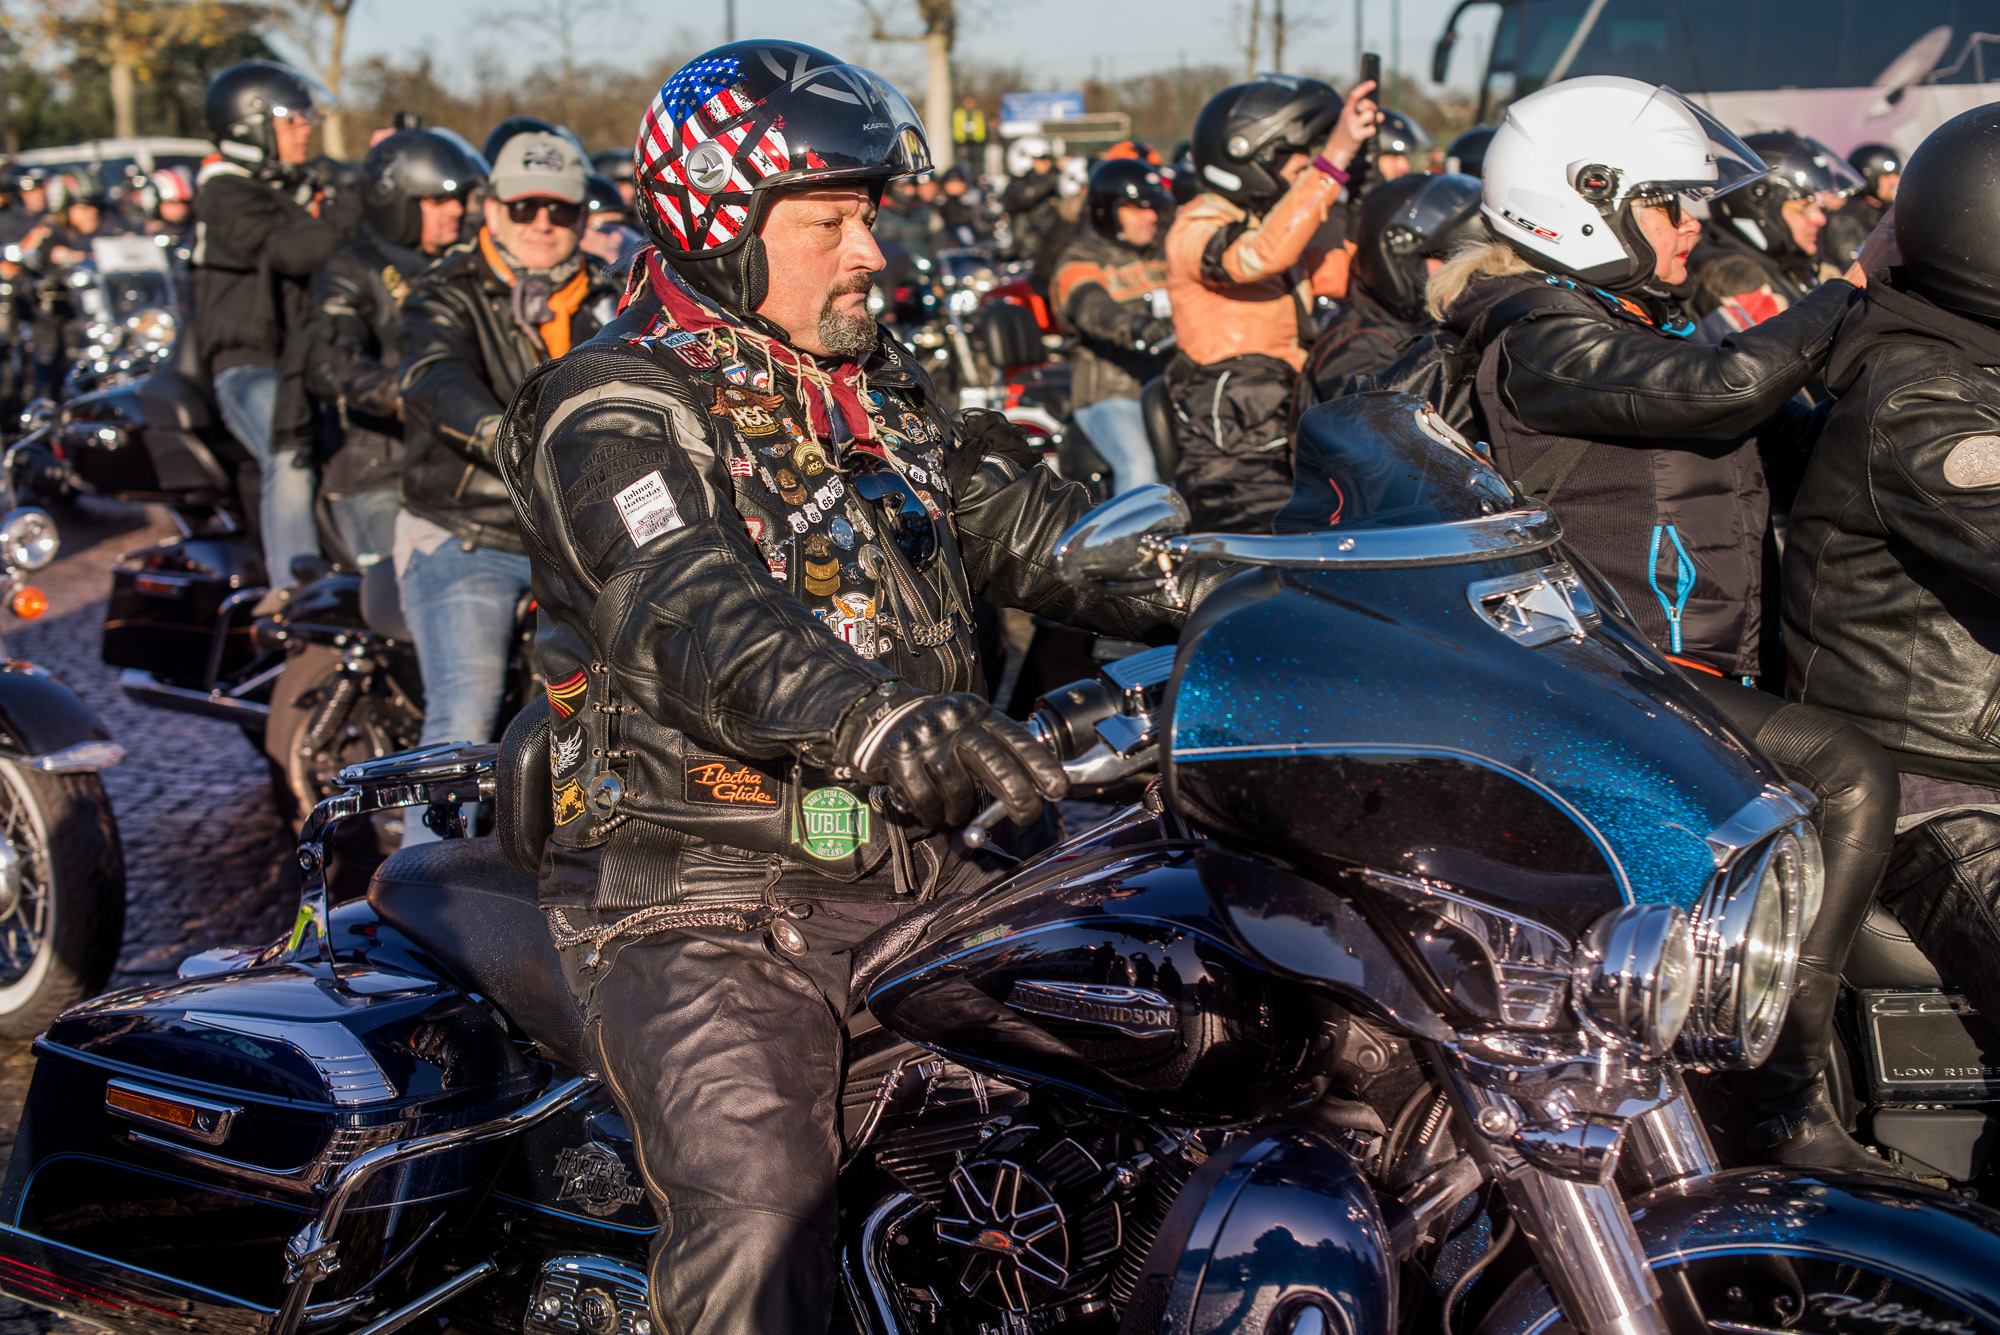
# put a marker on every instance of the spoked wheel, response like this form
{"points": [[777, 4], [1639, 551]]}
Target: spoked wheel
{"points": [[62, 895]]}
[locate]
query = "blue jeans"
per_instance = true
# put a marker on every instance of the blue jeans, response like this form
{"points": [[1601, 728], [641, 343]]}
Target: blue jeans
{"points": [[248, 396], [367, 520], [460, 608], [1117, 431]]}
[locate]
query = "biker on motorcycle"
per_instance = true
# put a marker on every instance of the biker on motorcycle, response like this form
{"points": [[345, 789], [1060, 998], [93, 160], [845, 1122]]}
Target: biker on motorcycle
{"points": [[1891, 584], [1407, 228], [757, 538], [414, 187], [1401, 147], [172, 189], [1030, 198], [1242, 273], [258, 240], [78, 213], [1110, 291], [1647, 446], [473, 327], [1774, 224]]}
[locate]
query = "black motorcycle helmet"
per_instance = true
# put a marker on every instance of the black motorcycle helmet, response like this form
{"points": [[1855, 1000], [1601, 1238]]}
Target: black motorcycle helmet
{"points": [[498, 136], [741, 123], [1405, 222], [613, 165], [1873, 162], [600, 195], [408, 166], [1244, 133], [1945, 208], [1467, 153], [1397, 134], [241, 101], [1119, 181], [1801, 168], [1186, 180]]}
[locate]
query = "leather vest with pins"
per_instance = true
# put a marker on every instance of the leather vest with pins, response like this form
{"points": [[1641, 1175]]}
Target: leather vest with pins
{"points": [[648, 814]]}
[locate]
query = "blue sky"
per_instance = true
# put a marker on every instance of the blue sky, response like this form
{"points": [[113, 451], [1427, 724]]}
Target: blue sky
{"points": [[1063, 40]]}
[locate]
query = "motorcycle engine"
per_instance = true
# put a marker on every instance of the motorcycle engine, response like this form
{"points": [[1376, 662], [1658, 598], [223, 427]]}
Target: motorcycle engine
{"points": [[1009, 1226]]}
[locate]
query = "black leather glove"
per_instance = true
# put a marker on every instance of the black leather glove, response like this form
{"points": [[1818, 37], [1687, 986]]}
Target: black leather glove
{"points": [[1150, 334], [935, 751], [983, 431]]}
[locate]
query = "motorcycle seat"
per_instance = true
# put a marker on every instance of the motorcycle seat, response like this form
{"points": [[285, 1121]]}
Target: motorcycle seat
{"points": [[476, 914], [1883, 956], [1157, 408], [382, 601]]}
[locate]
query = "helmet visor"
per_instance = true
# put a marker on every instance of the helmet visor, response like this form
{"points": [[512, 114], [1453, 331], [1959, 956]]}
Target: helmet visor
{"points": [[319, 100], [1736, 163], [1817, 170], [1440, 201], [890, 135]]}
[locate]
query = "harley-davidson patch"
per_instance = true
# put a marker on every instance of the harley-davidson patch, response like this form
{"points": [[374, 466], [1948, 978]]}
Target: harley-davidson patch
{"points": [[752, 412], [596, 1178], [714, 781], [566, 802]]}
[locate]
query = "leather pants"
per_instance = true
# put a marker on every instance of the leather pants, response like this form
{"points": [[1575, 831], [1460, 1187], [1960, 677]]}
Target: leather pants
{"points": [[725, 1057], [1943, 885], [1858, 797]]}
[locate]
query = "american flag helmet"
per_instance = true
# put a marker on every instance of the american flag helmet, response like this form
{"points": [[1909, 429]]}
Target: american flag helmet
{"points": [[734, 124]]}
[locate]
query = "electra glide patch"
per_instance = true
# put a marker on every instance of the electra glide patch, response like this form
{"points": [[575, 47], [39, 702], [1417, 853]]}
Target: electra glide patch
{"points": [[565, 695], [716, 782], [831, 824]]}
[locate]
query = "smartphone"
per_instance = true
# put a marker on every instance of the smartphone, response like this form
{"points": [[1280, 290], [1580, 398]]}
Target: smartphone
{"points": [[1371, 72]]}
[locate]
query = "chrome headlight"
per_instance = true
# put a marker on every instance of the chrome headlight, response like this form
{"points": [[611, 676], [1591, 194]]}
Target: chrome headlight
{"points": [[1635, 973], [1746, 936], [28, 538]]}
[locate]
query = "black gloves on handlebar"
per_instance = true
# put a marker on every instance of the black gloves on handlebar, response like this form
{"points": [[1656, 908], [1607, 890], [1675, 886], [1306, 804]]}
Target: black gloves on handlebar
{"points": [[983, 432], [935, 751], [1150, 334]]}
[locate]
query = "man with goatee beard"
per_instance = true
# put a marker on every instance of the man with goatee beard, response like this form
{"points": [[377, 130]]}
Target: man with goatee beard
{"points": [[756, 538]]}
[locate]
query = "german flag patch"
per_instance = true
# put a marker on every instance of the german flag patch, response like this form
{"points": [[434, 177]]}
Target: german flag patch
{"points": [[565, 695]]}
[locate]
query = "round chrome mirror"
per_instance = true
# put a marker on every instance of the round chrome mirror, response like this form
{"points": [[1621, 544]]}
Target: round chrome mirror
{"points": [[1108, 546]]}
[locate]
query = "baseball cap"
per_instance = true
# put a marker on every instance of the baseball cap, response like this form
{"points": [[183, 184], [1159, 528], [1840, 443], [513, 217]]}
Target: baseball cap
{"points": [[534, 164]]}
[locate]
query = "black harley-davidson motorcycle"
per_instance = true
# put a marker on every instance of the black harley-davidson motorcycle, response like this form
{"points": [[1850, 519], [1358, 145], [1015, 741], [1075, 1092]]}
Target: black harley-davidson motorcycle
{"points": [[1371, 1017], [62, 871]]}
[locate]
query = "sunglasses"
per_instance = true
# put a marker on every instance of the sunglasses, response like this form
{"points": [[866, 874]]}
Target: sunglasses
{"points": [[915, 534], [561, 212], [1671, 203]]}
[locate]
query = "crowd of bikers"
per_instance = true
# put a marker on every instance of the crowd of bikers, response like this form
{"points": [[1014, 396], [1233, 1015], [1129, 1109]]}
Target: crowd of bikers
{"points": [[1671, 336]]}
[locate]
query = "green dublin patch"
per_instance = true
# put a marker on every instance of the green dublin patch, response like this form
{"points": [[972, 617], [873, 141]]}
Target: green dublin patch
{"points": [[833, 823]]}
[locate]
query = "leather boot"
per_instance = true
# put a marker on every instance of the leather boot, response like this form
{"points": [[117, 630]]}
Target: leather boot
{"points": [[1800, 1126]]}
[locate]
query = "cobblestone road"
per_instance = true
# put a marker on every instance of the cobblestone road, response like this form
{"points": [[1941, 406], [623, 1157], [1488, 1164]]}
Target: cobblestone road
{"points": [[206, 856]]}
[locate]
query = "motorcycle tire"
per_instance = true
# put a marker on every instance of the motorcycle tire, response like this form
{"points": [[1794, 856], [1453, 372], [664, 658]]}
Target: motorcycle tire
{"points": [[62, 895], [367, 726]]}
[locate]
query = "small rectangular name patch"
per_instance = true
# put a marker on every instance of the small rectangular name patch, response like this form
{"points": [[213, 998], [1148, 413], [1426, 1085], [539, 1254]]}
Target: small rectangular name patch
{"points": [[648, 509]]}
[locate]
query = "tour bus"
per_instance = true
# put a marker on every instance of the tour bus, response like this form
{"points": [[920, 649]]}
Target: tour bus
{"points": [[1846, 72]]}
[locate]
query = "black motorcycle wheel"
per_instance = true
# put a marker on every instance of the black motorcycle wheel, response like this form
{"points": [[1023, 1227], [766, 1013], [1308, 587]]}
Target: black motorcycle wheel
{"points": [[1761, 1292], [62, 895]]}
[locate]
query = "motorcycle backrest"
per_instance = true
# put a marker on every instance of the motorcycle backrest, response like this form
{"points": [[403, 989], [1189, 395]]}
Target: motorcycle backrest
{"points": [[1013, 337], [1158, 411], [523, 818]]}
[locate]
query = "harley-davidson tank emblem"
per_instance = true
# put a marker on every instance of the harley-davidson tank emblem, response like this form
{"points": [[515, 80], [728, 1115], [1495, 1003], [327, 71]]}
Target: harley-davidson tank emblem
{"points": [[1892, 1315], [596, 1178], [1129, 1010]]}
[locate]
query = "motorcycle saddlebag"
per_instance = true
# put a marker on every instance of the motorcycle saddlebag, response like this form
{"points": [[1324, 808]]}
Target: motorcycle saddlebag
{"points": [[181, 610], [176, 1137]]}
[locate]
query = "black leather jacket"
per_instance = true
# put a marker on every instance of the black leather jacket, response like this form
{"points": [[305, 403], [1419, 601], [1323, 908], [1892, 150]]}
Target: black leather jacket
{"points": [[717, 593], [256, 246], [355, 306], [1103, 293], [1670, 502], [1892, 560], [1365, 337], [464, 355]]}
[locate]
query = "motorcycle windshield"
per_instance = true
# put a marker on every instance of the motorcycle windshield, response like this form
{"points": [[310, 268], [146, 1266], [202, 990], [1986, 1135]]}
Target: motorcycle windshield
{"points": [[1371, 461]]}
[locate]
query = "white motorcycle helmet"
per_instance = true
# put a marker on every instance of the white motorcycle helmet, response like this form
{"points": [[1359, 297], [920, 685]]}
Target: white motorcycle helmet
{"points": [[1569, 160], [1021, 154]]}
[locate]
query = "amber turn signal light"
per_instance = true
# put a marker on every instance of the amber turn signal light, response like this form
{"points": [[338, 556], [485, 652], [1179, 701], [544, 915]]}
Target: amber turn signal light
{"points": [[30, 602]]}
